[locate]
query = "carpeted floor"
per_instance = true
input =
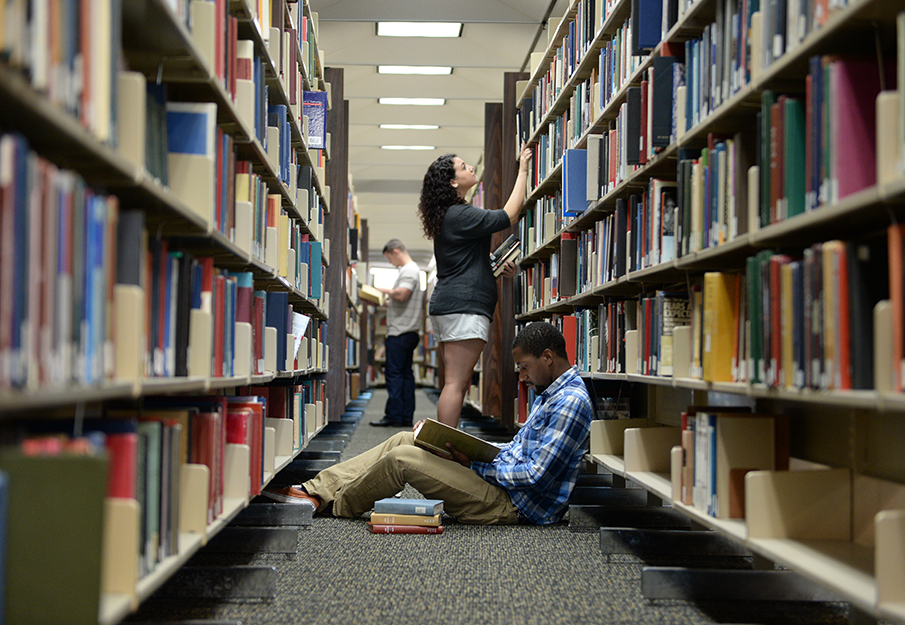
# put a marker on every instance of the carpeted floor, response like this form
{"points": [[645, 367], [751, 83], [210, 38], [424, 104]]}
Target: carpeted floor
{"points": [[518, 575]]}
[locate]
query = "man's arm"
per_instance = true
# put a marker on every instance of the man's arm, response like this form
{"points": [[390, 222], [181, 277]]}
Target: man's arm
{"points": [[552, 450], [399, 294]]}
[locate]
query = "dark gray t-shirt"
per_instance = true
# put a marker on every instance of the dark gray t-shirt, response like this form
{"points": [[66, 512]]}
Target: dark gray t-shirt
{"points": [[465, 282]]}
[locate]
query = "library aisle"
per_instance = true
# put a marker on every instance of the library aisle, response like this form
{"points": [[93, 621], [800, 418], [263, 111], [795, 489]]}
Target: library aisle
{"points": [[468, 575]]}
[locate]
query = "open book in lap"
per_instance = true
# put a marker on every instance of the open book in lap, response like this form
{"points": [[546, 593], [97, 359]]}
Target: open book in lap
{"points": [[433, 436]]}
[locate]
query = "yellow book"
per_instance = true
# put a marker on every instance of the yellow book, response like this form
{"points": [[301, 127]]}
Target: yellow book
{"points": [[832, 251], [370, 294], [720, 311], [433, 436], [406, 519]]}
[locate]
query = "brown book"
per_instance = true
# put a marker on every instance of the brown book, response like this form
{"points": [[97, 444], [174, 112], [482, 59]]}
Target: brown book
{"points": [[376, 528]]}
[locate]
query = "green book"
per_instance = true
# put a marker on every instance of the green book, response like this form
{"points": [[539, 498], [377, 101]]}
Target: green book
{"points": [[768, 99], [54, 535], [794, 174]]}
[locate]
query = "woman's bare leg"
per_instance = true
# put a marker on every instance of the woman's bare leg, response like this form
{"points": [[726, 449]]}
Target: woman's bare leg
{"points": [[459, 359]]}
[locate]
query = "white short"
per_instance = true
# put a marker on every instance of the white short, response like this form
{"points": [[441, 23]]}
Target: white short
{"points": [[461, 326]]}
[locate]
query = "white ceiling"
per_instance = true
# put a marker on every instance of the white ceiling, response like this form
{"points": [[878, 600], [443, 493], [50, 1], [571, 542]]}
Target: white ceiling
{"points": [[497, 37]]}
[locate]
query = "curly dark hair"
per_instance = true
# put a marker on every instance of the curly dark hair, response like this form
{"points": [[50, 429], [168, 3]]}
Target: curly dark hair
{"points": [[437, 195], [539, 336]]}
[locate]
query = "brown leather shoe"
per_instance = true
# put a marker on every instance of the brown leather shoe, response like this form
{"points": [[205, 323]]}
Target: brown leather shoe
{"points": [[293, 495]]}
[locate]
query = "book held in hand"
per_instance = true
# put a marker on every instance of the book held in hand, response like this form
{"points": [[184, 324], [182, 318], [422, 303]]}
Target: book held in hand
{"points": [[371, 294], [433, 436], [508, 250], [377, 528], [394, 505]]}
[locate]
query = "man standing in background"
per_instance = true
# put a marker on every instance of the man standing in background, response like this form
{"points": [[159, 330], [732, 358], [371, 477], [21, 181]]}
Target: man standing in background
{"points": [[403, 322]]}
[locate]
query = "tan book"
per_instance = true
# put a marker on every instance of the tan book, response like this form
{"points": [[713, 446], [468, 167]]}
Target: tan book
{"points": [[433, 436], [370, 294], [405, 519]]}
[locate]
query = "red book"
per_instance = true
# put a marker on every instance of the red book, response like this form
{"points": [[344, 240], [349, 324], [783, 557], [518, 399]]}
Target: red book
{"points": [[204, 449], [255, 437], [855, 85], [522, 403], [122, 452], [776, 378], [238, 424], [207, 282], [257, 332], [570, 333], [379, 528]]}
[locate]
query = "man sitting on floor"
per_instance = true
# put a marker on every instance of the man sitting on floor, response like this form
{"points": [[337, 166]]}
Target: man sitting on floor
{"points": [[529, 481]]}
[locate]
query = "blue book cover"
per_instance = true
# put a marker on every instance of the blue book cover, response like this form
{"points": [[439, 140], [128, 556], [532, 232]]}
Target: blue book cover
{"points": [[275, 317], [315, 267], [393, 505], [19, 368], [575, 186], [315, 108], [647, 20], [192, 128]]}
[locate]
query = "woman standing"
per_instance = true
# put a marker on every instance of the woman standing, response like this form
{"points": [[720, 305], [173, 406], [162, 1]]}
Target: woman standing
{"points": [[465, 296]]}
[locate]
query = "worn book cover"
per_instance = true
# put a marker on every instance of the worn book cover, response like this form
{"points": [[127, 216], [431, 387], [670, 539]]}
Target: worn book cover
{"points": [[433, 436], [377, 528], [380, 518], [400, 505]]}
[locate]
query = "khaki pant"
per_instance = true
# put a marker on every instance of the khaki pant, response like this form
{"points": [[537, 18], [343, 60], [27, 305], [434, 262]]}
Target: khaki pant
{"points": [[354, 485]]}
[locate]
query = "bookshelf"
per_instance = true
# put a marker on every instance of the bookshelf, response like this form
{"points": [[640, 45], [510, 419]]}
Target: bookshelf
{"points": [[590, 91], [134, 293]]}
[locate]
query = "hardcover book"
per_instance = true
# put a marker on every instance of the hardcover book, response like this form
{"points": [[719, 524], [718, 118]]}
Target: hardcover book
{"points": [[406, 519], [370, 294], [433, 436], [376, 528], [398, 505]]}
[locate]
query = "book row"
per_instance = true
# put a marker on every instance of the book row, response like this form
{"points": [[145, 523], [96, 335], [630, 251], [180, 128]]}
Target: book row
{"points": [[181, 145], [89, 295], [141, 480], [736, 184], [70, 51], [579, 39], [806, 320], [616, 66]]}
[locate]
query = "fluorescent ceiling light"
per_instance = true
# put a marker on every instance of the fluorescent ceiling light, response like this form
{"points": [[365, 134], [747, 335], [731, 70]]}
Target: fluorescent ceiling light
{"points": [[421, 70], [413, 101], [408, 127], [419, 29], [407, 147]]}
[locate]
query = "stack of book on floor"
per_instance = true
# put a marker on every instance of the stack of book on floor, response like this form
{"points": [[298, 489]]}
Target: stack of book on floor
{"points": [[406, 516]]}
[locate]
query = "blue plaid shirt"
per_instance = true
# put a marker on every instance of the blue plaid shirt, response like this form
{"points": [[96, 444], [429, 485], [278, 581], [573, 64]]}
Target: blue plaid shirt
{"points": [[538, 468]]}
